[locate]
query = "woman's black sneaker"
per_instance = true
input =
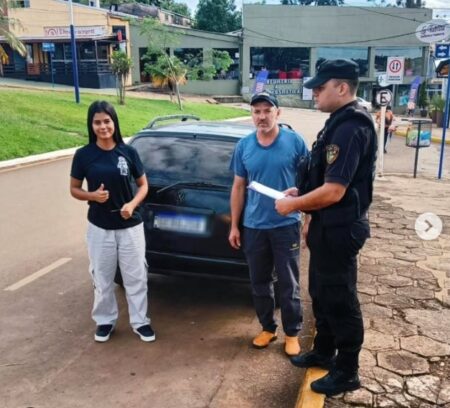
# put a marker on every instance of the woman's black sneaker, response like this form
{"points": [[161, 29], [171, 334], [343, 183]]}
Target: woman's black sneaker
{"points": [[146, 333], [313, 359], [103, 332]]}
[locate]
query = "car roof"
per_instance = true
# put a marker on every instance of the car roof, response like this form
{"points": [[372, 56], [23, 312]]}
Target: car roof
{"points": [[213, 129]]}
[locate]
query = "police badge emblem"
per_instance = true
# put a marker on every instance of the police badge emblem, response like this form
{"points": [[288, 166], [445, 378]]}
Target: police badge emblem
{"points": [[332, 153]]}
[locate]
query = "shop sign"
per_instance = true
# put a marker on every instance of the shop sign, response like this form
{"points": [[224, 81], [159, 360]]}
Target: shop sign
{"points": [[80, 31], [284, 86], [433, 31]]}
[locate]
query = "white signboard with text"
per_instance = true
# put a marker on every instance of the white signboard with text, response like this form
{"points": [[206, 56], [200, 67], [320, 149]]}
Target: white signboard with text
{"points": [[307, 93], [64, 32], [433, 31], [395, 69]]}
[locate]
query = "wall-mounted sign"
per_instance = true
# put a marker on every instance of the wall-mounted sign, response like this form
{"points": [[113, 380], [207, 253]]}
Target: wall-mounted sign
{"points": [[48, 47], [433, 31], [284, 86], [80, 32]]}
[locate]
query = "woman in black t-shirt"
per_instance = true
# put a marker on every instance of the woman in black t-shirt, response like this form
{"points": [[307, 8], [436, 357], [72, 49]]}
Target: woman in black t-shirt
{"points": [[115, 235]]}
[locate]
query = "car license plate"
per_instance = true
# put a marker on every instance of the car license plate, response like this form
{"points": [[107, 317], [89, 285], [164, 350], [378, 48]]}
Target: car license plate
{"points": [[193, 224]]}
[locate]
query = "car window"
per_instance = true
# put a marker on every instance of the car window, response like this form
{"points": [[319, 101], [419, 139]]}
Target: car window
{"points": [[171, 159]]}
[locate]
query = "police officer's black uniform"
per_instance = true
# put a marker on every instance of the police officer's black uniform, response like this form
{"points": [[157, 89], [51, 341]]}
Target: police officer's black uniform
{"points": [[344, 153]]}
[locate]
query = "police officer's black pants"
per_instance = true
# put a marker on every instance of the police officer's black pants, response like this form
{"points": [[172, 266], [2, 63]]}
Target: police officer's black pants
{"points": [[279, 248], [332, 286]]}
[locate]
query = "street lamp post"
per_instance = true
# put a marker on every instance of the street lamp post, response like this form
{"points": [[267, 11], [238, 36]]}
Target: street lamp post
{"points": [[74, 55]]}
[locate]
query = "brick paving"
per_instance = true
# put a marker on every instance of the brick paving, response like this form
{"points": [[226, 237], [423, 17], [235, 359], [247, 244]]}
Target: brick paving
{"points": [[404, 291]]}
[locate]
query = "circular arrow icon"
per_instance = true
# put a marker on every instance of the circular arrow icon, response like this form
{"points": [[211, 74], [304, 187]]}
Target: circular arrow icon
{"points": [[428, 226]]}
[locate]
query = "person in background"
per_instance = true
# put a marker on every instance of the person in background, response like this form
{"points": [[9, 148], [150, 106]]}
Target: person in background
{"points": [[115, 234], [269, 156], [388, 121]]}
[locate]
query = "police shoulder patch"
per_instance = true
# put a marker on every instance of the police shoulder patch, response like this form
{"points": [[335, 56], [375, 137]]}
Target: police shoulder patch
{"points": [[332, 153]]}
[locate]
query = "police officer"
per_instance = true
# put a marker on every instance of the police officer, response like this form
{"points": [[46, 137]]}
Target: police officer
{"points": [[336, 191]]}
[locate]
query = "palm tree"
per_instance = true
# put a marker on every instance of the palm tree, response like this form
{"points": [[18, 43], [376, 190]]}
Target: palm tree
{"points": [[168, 72], [11, 39]]}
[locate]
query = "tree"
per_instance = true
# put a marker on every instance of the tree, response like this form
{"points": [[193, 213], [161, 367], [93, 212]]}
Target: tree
{"points": [[121, 65], [217, 15], [179, 8], [213, 63], [399, 3], [423, 100], [166, 70], [11, 39]]}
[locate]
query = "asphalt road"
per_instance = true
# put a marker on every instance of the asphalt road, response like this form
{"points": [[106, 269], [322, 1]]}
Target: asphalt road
{"points": [[202, 356]]}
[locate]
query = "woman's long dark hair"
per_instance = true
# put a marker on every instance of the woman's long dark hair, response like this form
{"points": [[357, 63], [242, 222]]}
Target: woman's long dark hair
{"points": [[103, 107]]}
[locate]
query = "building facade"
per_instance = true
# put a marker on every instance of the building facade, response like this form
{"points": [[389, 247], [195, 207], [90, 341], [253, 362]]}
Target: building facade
{"points": [[287, 41], [44, 29], [188, 44]]}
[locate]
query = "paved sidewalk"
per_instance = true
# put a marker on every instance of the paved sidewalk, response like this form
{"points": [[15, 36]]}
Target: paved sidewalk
{"points": [[404, 289]]}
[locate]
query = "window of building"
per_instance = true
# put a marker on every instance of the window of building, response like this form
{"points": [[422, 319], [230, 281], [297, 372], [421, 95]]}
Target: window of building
{"points": [[282, 63], [178, 20], [187, 55], [233, 70], [413, 59], [359, 55], [87, 51], [20, 4]]}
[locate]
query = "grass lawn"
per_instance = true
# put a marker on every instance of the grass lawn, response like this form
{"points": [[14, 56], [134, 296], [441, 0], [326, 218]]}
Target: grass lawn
{"points": [[33, 121]]}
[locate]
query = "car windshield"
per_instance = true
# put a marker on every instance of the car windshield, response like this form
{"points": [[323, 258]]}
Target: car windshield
{"points": [[170, 160]]}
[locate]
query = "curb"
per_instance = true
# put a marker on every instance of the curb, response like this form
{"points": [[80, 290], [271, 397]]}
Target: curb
{"points": [[307, 398]]}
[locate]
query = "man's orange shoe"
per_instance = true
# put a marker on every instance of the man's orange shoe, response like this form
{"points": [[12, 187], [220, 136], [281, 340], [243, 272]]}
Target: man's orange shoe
{"points": [[263, 339], [292, 346]]}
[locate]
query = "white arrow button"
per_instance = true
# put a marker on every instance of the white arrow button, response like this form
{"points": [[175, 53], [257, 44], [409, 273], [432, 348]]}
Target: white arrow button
{"points": [[428, 226]]}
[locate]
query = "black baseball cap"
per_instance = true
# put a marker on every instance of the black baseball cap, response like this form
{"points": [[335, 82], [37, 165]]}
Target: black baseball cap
{"points": [[333, 69], [264, 97]]}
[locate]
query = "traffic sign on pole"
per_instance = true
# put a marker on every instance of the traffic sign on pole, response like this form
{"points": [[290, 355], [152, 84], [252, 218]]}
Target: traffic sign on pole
{"points": [[384, 97], [394, 70], [442, 51]]}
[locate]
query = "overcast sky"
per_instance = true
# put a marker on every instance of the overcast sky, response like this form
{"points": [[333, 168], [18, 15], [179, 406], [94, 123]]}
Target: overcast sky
{"points": [[430, 3]]}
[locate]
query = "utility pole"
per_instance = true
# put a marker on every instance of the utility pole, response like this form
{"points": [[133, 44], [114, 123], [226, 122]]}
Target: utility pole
{"points": [[74, 55]]}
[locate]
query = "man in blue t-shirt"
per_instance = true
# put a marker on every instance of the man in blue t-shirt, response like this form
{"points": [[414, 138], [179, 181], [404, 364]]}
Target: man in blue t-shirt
{"points": [[270, 241]]}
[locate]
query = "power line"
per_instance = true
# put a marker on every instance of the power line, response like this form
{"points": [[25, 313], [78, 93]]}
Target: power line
{"points": [[328, 43]]}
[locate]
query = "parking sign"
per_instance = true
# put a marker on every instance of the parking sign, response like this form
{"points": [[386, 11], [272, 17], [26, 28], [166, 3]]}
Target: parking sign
{"points": [[394, 70]]}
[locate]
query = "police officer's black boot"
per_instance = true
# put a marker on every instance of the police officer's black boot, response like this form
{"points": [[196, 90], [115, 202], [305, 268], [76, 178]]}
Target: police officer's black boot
{"points": [[313, 359], [336, 382]]}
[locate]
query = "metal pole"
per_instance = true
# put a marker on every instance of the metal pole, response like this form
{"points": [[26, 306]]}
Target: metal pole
{"points": [[416, 159], [51, 68], [380, 160], [444, 127], [74, 55]]}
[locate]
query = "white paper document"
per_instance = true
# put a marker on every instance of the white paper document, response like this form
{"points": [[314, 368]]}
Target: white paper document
{"points": [[267, 191]]}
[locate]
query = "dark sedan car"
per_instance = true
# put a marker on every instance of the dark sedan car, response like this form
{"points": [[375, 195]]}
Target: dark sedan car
{"points": [[187, 211]]}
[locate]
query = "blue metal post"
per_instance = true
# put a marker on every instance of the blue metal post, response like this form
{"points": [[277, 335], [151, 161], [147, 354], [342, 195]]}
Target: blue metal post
{"points": [[74, 63], [51, 68], [444, 127]]}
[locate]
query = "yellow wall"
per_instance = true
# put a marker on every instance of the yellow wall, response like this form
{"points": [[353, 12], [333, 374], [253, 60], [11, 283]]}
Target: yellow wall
{"points": [[56, 13], [45, 13]]}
